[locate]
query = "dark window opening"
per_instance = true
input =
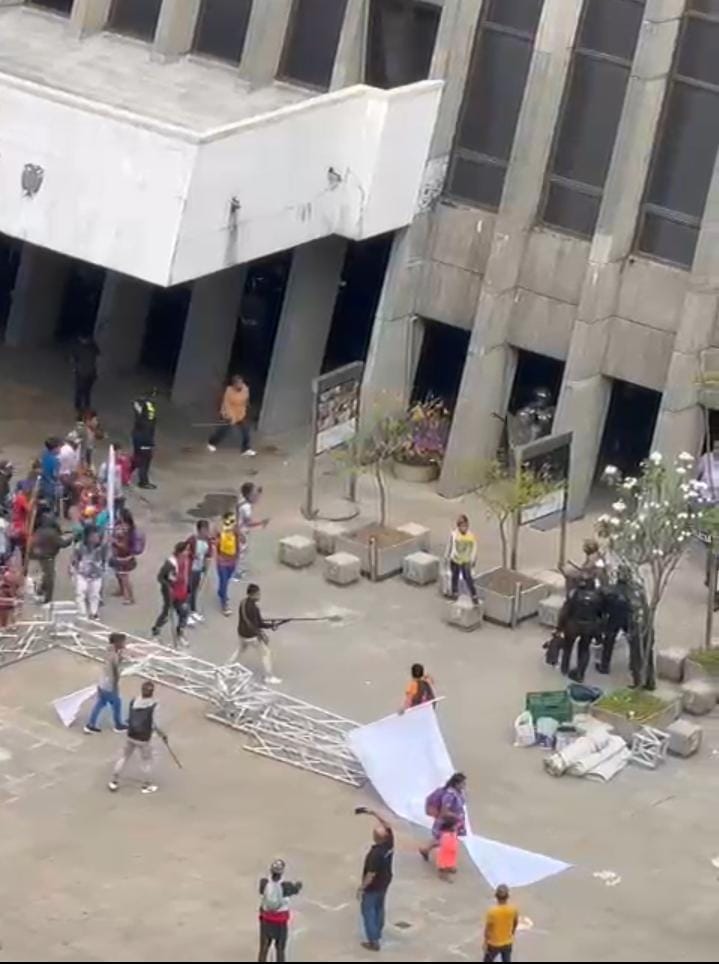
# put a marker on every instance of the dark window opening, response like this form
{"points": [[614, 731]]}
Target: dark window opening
{"points": [[80, 301], [687, 141], [138, 18], [357, 299], [311, 44], [492, 100], [57, 6], [400, 41], [164, 329], [9, 263], [534, 371], [441, 362], [591, 112], [222, 28], [629, 428]]}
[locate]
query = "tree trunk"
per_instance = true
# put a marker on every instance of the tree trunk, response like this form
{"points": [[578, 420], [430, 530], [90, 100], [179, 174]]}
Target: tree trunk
{"points": [[382, 489], [503, 543]]}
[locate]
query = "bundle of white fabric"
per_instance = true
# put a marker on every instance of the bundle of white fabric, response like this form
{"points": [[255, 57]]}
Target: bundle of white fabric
{"points": [[599, 756]]}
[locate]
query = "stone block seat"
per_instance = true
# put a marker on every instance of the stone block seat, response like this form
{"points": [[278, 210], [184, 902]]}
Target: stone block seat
{"points": [[297, 551], [420, 568], [342, 568]]}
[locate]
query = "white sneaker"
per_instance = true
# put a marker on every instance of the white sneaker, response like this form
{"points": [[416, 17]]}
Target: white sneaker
{"points": [[113, 785], [149, 788], [211, 448], [249, 452], [190, 624], [198, 617], [273, 680]]}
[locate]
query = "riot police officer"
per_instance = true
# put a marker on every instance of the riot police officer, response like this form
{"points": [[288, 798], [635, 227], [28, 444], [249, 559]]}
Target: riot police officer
{"points": [[581, 621], [143, 436]]}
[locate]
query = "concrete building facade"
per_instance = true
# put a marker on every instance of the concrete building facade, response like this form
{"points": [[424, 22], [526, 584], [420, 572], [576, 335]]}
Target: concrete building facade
{"points": [[541, 176]]}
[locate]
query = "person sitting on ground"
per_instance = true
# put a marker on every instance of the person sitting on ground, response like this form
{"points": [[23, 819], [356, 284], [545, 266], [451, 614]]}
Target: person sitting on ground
{"points": [[500, 927], [420, 688], [275, 910]]}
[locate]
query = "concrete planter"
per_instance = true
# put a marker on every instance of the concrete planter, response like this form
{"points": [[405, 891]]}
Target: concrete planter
{"points": [[626, 728], [709, 396], [496, 589], [694, 670], [392, 545], [415, 473]]}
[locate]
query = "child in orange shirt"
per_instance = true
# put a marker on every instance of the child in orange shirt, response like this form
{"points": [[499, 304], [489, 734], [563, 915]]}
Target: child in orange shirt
{"points": [[448, 850]]}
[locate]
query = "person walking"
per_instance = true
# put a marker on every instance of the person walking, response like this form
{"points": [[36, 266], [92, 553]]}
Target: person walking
{"points": [[227, 550], [49, 489], [275, 910], [446, 803], [69, 465], [234, 415], [252, 630], [376, 879], [90, 433], [141, 725], [249, 495], [420, 688], [448, 850], [462, 555], [174, 579], [108, 690], [88, 568], [45, 546], [127, 543], [143, 436], [84, 363], [500, 927], [199, 547]]}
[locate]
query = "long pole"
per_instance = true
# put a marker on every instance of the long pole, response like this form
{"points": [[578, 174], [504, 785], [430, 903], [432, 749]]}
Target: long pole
{"points": [[711, 593], [563, 527]]}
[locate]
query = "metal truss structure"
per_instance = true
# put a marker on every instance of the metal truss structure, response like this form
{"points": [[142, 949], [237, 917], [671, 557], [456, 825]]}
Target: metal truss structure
{"points": [[279, 726]]}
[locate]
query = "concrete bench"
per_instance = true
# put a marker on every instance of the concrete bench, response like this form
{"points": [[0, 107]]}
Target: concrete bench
{"points": [[325, 534], [464, 614], [297, 551], [418, 532], [670, 663], [342, 568], [685, 737], [549, 609], [698, 697], [420, 568]]}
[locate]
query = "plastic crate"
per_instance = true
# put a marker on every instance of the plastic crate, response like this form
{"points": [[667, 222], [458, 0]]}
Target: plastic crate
{"points": [[553, 703]]}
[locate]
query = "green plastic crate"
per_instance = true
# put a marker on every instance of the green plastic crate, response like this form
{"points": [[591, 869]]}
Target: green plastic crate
{"points": [[553, 703]]}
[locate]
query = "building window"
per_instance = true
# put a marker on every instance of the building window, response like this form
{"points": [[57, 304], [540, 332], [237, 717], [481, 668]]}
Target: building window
{"points": [[221, 28], [594, 97], [492, 100], [400, 41], [138, 18], [311, 42], [686, 147], [57, 6]]}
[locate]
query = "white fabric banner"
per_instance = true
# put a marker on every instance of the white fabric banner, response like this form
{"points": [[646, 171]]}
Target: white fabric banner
{"points": [[406, 758], [67, 707]]}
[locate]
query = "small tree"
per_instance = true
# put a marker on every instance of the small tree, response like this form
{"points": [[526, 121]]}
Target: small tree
{"points": [[370, 451], [648, 532], [506, 493]]}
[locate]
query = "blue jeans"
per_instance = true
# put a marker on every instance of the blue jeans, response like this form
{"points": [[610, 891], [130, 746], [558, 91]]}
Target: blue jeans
{"points": [[372, 907], [107, 698], [224, 574]]}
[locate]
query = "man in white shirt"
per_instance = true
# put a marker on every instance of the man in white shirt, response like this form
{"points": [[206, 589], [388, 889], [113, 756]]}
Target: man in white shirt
{"points": [[249, 494], [69, 461]]}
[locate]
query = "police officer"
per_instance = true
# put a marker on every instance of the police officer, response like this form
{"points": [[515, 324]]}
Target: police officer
{"points": [[143, 436], [581, 621], [618, 615]]}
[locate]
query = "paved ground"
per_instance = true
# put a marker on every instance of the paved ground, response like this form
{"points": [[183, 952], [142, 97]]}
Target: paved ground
{"points": [[173, 876]]}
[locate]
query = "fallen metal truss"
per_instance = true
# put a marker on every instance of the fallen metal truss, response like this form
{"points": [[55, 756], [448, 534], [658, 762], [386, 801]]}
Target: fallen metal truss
{"points": [[279, 726]]}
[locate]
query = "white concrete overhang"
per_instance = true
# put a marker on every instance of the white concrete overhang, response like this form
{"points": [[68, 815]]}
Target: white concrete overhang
{"points": [[164, 201]]}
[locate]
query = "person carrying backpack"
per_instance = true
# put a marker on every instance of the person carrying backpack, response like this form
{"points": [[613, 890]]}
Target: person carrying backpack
{"points": [[275, 910], [141, 724], [446, 802], [128, 542], [174, 579], [420, 688], [582, 621], [227, 550]]}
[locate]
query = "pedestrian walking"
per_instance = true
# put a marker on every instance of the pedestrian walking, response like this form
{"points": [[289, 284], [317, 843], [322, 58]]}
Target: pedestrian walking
{"points": [[420, 688], [500, 927], [108, 690], [127, 543], [446, 803], [88, 568], [143, 436], [448, 849], [274, 915], [234, 414], [69, 465], [199, 547], [90, 433], [462, 555], [141, 725], [84, 363], [376, 879], [174, 580], [252, 630], [45, 546], [49, 489], [227, 550], [249, 495]]}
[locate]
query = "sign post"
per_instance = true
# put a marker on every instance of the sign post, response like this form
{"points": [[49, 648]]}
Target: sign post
{"points": [[548, 459]]}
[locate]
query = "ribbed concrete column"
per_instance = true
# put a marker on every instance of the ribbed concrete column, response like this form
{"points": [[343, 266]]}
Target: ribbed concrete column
{"points": [[209, 333], [176, 28], [302, 333], [265, 40], [89, 16], [121, 321], [350, 58], [36, 297], [585, 394], [484, 389]]}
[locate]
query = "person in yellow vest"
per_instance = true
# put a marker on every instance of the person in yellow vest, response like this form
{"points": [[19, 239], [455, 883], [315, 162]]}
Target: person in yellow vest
{"points": [[462, 555], [227, 551]]}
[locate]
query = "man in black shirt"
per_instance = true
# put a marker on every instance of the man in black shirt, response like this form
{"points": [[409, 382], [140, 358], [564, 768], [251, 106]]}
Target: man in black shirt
{"points": [[84, 363], [252, 631], [376, 878], [143, 436]]}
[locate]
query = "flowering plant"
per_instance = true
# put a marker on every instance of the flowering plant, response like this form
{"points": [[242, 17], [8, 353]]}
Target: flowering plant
{"points": [[425, 436], [648, 531]]}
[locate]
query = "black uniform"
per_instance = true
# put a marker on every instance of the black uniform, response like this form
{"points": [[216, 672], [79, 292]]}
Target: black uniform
{"points": [[143, 439], [582, 621], [617, 616]]}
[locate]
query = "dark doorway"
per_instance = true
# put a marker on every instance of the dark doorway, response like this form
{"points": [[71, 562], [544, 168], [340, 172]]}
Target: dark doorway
{"points": [[311, 42], [221, 28], [80, 301], [165, 328], [629, 428], [357, 299], [57, 6], [259, 316], [138, 18], [400, 41], [9, 262], [441, 363], [535, 371]]}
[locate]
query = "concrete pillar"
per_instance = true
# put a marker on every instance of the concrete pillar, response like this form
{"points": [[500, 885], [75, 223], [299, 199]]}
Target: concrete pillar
{"points": [[89, 16], [265, 40], [302, 333], [349, 65], [36, 297], [209, 333], [121, 321], [484, 391], [585, 394], [175, 28]]}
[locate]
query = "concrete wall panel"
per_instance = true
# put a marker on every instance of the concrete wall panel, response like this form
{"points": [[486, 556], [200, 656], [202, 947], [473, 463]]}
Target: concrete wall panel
{"points": [[461, 236], [541, 324], [638, 354], [448, 294], [554, 265], [652, 294]]}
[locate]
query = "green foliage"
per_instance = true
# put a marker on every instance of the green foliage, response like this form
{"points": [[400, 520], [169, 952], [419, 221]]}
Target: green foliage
{"points": [[635, 705]]}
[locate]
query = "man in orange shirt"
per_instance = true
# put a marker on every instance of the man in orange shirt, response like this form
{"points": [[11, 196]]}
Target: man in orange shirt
{"points": [[500, 926], [233, 412], [420, 688]]}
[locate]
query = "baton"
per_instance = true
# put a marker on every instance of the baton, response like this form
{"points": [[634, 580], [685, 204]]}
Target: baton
{"points": [[307, 619], [172, 752]]}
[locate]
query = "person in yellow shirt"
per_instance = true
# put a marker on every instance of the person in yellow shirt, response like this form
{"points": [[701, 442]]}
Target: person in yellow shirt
{"points": [[500, 926], [234, 414], [462, 555]]}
